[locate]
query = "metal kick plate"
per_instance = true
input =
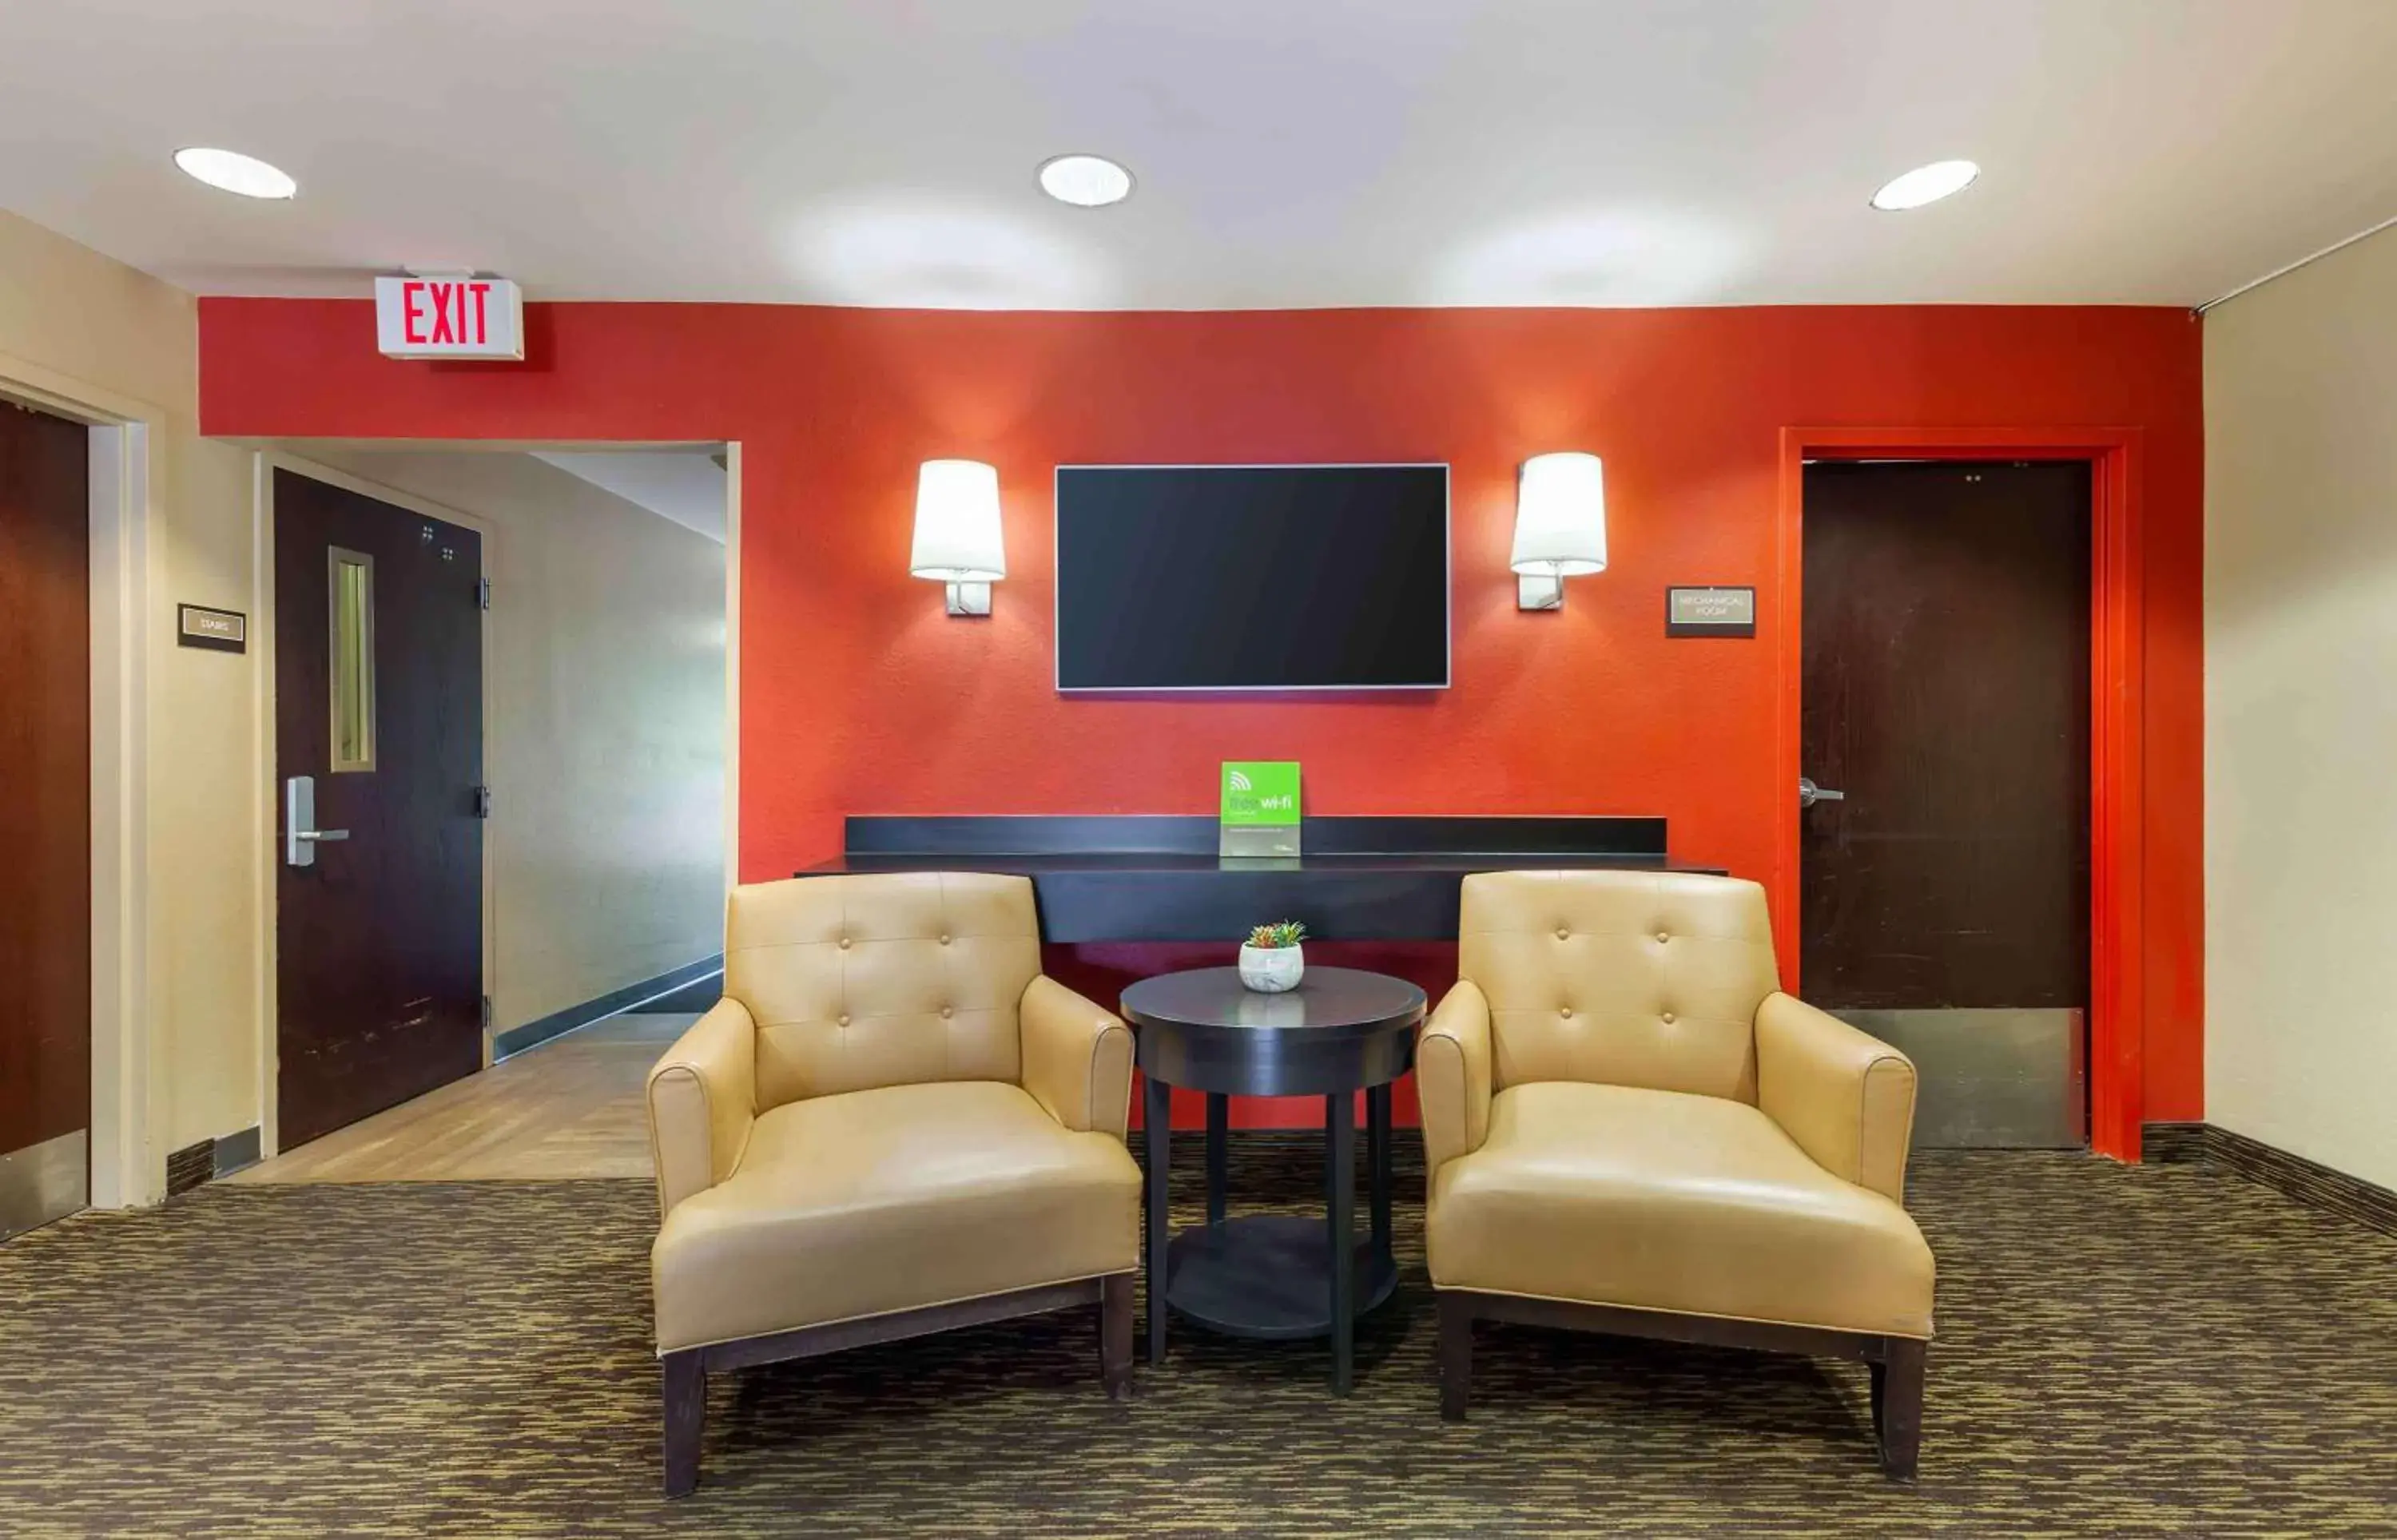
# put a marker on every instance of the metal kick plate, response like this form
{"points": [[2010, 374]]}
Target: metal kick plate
{"points": [[1991, 1079], [44, 1182]]}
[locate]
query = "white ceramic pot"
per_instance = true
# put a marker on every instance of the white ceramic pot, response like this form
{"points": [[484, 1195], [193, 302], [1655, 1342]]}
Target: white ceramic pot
{"points": [[1272, 970]]}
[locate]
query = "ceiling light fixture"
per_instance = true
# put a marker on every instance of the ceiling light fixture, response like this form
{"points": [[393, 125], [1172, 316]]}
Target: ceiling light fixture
{"points": [[233, 172], [1926, 184], [1086, 181]]}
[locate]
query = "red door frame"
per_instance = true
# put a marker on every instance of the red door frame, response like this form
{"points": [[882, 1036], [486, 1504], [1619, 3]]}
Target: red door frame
{"points": [[2117, 696]]}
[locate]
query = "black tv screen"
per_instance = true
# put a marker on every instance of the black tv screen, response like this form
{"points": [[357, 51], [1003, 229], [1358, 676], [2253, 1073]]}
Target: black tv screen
{"points": [[1251, 576]]}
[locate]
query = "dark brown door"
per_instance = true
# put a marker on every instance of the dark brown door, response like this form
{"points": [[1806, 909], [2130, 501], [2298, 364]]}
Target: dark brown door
{"points": [[379, 748], [45, 817], [1944, 718]]}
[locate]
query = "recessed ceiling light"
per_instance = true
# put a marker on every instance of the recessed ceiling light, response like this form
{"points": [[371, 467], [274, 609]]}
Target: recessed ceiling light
{"points": [[1086, 181], [234, 172], [1926, 184]]}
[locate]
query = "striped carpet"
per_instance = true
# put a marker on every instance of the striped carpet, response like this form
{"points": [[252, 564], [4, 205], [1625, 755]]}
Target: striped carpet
{"points": [[2164, 1350]]}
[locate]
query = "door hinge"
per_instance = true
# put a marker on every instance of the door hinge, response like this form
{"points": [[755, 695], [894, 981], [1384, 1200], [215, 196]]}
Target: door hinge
{"points": [[482, 802], [483, 592], [487, 1012]]}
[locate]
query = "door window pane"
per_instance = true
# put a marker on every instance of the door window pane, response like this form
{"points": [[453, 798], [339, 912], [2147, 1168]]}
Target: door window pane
{"points": [[352, 617]]}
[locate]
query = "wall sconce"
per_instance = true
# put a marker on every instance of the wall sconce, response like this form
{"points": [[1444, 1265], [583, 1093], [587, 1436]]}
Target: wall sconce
{"points": [[1559, 526], [957, 532]]}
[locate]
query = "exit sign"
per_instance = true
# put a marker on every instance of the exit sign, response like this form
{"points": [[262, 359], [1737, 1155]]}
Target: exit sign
{"points": [[459, 316]]}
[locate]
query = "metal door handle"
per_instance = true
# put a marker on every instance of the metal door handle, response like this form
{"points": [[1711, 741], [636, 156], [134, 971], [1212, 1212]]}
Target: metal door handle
{"points": [[1809, 793], [300, 835]]}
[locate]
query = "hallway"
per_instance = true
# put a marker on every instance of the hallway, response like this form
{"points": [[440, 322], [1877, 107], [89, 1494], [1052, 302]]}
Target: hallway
{"points": [[570, 1109]]}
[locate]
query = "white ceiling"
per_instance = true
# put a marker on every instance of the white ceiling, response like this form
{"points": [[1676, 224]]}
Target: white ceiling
{"points": [[1290, 152], [686, 485]]}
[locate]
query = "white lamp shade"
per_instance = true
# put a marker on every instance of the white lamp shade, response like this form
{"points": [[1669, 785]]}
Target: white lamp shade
{"points": [[957, 537], [1560, 516]]}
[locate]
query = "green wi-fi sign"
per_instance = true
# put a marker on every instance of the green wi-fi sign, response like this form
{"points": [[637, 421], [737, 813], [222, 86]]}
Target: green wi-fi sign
{"points": [[1260, 794]]}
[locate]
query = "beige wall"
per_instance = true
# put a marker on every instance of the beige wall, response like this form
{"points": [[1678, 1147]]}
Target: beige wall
{"points": [[604, 726], [2301, 712], [77, 325], [609, 708]]}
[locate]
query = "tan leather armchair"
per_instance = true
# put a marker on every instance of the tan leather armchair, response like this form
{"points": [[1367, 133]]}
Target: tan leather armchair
{"points": [[892, 1124], [1629, 1129]]}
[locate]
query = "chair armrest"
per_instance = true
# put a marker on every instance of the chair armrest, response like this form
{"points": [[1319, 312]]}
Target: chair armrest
{"points": [[703, 1097], [1453, 1076], [1846, 1097], [1077, 1059]]}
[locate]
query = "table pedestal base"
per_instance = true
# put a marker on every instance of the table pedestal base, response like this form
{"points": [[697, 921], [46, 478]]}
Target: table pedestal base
{"points": [[1273, 1276], [1267, 1276]]}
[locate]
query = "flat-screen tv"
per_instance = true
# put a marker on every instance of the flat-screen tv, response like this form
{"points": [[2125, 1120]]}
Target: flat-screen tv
{"points": [[1252, 578]]}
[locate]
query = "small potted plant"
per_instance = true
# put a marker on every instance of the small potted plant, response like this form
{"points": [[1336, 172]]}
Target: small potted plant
{"points": [[1271, 961]]}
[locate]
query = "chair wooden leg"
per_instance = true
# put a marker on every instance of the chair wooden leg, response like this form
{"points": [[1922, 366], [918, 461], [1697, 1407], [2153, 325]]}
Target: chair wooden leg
{"points": [[1897, 1406], [1455, 1355], [1115, 1334], [686, 1415]]}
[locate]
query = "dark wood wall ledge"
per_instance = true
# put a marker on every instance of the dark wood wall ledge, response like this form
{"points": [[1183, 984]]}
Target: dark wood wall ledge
{"points": [[1143, 877], [1104, 834], [2308, 1182]]}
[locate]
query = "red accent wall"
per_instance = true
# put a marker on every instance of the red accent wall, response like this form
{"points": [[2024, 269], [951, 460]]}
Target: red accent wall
{"points": [[859, 695]]}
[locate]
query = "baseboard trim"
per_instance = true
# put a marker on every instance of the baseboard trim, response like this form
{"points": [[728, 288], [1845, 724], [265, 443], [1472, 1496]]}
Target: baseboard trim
{"points": [[515, 1040], [2293, 1176], [693, 999], [190, 1166], [2173, 1143], [236, 1150], [206, 1160]]}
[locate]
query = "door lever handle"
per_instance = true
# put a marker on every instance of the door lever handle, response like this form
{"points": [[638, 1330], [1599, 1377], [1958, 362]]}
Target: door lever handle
{"points": [[1809, 793], [300, 835]]}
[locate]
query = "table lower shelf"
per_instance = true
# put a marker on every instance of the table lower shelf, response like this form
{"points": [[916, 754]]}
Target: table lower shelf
{"points": [[1267, 1276]]}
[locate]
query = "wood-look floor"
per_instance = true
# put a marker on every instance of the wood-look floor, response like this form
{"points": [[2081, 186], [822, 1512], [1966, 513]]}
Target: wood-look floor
{"points": [[567, 1108]]}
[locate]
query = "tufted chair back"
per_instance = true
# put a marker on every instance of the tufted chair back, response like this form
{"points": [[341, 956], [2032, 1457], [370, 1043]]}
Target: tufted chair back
{"points": [[1639, 978], [862, 981]]}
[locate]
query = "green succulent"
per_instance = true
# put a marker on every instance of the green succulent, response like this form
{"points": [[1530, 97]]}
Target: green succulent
{"points": [[1281, 933]]}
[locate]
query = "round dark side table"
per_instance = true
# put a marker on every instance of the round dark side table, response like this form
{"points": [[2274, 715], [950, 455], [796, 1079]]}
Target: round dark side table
{"points": [[1274, 1276]]}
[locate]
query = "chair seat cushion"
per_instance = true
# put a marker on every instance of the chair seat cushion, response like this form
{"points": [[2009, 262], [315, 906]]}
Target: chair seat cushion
{"points": [[1662, 1200], [904, 1196]]}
